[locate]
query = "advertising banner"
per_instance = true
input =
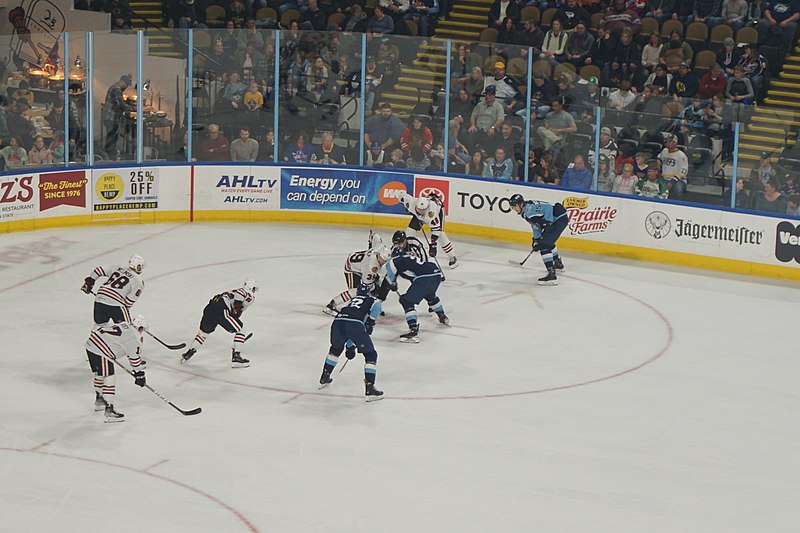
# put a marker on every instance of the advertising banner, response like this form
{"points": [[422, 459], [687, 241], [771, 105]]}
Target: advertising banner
{"points": [[17, 198], [62, 188], [237, 187], [344, 190], [125, 189]]}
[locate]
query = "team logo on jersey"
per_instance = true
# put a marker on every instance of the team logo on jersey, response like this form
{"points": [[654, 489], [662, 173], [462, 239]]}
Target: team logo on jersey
{"points": [[787, 242], [390, 192], [109, 186], [657, 224], [62, 188], [425, 187]]}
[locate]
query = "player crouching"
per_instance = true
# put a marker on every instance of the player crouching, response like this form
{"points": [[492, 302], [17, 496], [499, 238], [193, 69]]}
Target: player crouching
{"points": [[352, 328], [429, 211], [425, 280], [107, 344], [225, 309], [547, 222]]}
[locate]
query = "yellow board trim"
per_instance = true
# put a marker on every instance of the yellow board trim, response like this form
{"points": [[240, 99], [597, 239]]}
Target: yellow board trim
{"points": [[374, 220]]}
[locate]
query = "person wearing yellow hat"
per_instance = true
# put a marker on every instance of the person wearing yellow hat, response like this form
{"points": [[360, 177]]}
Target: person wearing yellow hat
{"points": [[505, 87]]}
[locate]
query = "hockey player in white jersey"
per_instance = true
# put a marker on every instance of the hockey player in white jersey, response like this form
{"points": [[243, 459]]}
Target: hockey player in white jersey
{"points": [[108, 343], [428, 210], [361, 266], [225, 309], [114, 299]]}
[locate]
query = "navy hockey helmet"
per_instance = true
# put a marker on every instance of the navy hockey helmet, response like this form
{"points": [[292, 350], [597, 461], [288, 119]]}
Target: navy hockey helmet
{"points": [[364, 289], [399, 237], [515, 200]]}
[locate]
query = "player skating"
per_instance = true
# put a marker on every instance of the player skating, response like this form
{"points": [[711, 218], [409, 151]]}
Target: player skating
{"points": [[352, 327], [547, 221], [107, 343], [115, 297], [360, 266], [225, 309], [425, 280], [429, 211]]}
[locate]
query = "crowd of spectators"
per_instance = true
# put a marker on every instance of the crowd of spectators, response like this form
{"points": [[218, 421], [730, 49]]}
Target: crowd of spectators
{"points": [[118, 9]]}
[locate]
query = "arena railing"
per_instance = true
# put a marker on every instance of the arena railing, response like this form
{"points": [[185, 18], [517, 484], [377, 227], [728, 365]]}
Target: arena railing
{"points": [[173, 102]]}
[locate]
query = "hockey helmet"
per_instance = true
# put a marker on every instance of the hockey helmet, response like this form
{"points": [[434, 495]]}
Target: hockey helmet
{"points": [[375, 240], [515, 200], [136, 263], [250, 285], [422, 205], [139, 323], [399, 237], [383, 254], [364, 289]]}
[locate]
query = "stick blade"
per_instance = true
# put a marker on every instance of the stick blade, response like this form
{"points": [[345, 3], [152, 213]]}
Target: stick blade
{"points": [[180, 346], [515, 263], [190, 412]]}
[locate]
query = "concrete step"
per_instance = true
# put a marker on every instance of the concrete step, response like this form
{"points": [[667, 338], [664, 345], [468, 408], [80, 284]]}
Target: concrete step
{"points": [[782, 102], [457, 25], [412, 98], [446, 33]]}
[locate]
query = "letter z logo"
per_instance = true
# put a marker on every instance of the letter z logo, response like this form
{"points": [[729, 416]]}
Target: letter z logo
{"points": [[787, 242]]}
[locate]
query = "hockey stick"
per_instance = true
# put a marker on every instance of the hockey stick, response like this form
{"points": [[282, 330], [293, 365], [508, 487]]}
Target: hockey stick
{"points": [[434, 257], [520, 263], [190, 412], [343, 365], [180, 346]]}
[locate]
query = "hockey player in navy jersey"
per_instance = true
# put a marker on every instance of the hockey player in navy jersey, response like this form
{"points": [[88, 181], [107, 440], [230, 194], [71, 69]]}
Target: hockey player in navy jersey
{"points": [[547, 221], [425, 280], [352, 328]]}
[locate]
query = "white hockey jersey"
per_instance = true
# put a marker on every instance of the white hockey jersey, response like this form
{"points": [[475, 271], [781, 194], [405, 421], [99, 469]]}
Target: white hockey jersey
{"points": [[122, 288], [432, 216], [674, 165], [237, 300], [365, 263], [113, 341]]}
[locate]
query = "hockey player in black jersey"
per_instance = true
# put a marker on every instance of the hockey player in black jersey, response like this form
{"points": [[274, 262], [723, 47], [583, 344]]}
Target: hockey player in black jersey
{"points": [[425, 280], [352, 328]]}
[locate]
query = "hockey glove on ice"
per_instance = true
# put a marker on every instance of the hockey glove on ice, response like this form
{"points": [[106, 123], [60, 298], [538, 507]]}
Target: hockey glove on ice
{"points": [[370, 325], [432, 247], [350, 352], [88, 283], [140, 381]]}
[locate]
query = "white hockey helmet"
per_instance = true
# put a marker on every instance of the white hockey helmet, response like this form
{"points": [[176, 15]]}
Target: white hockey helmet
{"points": [[136, 262], [250, 285], [422, 205], [383, 254], [139, 323], [375, 240]]}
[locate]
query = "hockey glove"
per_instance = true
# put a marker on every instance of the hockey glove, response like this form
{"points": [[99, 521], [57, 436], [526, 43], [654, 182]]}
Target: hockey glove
{"points": [[350, 352], [140, 381], [237, 309], [88, 283], [534, 245], [432, 247], [370, 325]]}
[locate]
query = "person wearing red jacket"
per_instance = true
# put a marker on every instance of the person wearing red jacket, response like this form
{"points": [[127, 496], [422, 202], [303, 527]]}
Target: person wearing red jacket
{"points": [[712, 82], [417, 134]]}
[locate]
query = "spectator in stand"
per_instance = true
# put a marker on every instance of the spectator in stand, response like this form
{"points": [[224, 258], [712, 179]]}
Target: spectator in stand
{"points": [[220, 61], [485, 120], [608, 147], [237, 12], [357, 21], [455, 165], [712, 82], [770, 200], [500, 10], [605, 173], [14, 155], [603, 48], [474, 84], [651, 53], [587, 97], [253, 102], [185, 14], [577, 175], [763, 172], [384, 128], [40, 154], [23, 92], [499, 167], [618, 17], [376, 156], [314, 18], [660, 10], [660, 79], [622, 97], [266, 148], [230, 98], [780, 21], [114, 109], [651, 186], [250, 34], [612, 74], [247, 59], [570, 14], [624, 182], [397, 10], [417, 159], [507, 139], [705, 10], [739, 89], [742, 195], [215, 147], [629, 54], [476, 165], [640, 164], [530, 36], [416, 134], [421, 12], [299, 151], [674, 166], [546, 171], [316, 80], [555, 42], [733, 14], [793, 205], [755, 12], [56, 118], [244, 148], [789, 186], [557, 125], [728, 56], [508, 33], [754, 66], [380, 23], [532, 164], [5, 130], [579, 45], [684, 83], [693, 116], [329, 153], [543, 92], [675, 51], [462, 64], [683, 10]]}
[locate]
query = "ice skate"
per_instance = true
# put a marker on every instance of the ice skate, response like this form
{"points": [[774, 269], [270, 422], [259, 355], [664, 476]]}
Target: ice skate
{"points": [[443, 320], [372, 394], [112, 415], [99, 402], [188, 355], [453, 263], [237, 361], [550, 278], [330, 309], [325, 379], [412, 336], [558, 264]]}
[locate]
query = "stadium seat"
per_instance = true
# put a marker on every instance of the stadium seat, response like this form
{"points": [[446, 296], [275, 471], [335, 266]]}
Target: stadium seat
{"points": [[697, 35], [531, 12], [747, 36], [719, 34], [669, 26]]}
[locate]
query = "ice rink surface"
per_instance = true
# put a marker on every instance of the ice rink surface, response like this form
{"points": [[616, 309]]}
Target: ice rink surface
{"points": [[629, 398]]}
